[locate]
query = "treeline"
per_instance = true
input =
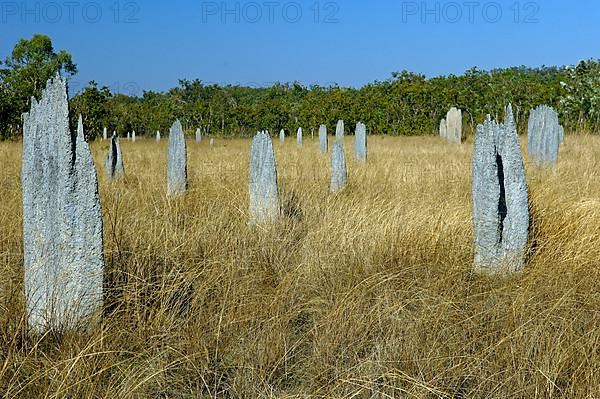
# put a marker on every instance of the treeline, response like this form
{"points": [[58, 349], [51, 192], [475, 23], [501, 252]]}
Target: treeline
{"points": [[405, 104]]}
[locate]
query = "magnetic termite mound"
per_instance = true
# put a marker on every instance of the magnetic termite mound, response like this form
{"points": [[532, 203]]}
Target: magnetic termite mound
{"points": [[299, 136], [176, 161], [360, 142], [264, 196], [443, 129], [500, 198], [323, 145], [339, 175], [62, 219], [454, 125], [114, 159], [339, 130], [544, 136]]}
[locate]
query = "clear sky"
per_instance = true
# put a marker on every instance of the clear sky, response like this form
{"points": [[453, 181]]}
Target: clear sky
{"points": [[132, 46]]}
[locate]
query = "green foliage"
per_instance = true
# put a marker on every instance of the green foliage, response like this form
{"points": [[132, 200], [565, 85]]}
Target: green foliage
{"points": [[30, 65], [405, 104], [9, 120], [92, 104], [581, 103], [33, 62]]}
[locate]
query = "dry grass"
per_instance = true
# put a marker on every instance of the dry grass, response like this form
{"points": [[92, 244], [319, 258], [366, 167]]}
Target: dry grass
{"points": [[367, 294]]}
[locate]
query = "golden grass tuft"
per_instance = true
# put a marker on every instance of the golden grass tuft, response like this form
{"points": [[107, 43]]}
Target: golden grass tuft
{"points": [[366, 294]]}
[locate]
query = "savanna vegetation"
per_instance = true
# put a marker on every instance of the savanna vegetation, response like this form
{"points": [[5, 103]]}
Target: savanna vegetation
{"points": [[405, 104], [368, 293]]}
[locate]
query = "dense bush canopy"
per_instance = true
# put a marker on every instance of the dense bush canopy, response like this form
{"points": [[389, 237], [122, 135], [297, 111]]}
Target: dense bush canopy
{"points": [[405, 104]]}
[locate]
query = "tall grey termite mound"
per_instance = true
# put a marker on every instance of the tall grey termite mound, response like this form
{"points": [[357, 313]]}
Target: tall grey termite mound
{"points": [[443, 129], [544, 135], [104, 134], [339, 175], [133, 136], [157, 135], [128, 136], [339, 130], [282, 136], [299, 136], [176, 161], [62, 219], [360, 142], [323, 139], [264, 196], [454, 126], [198, 136], [500, 198], [114, 160]]}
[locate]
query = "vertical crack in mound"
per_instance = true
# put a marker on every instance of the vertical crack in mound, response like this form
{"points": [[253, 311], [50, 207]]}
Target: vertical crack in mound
{"points": [[500, 198], [502, 209], [114, 162], [113, 157]]}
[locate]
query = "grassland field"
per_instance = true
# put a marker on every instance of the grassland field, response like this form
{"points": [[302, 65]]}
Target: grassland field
{"points": [[364, 294]]}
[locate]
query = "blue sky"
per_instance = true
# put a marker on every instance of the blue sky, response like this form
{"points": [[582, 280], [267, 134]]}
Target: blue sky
{"points": [[132, 46]]}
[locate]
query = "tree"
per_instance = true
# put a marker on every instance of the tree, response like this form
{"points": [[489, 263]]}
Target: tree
{"points": [[8, 114], [91, 103], [407, 103], [33, 62], [30, 65], [581, 102]]}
